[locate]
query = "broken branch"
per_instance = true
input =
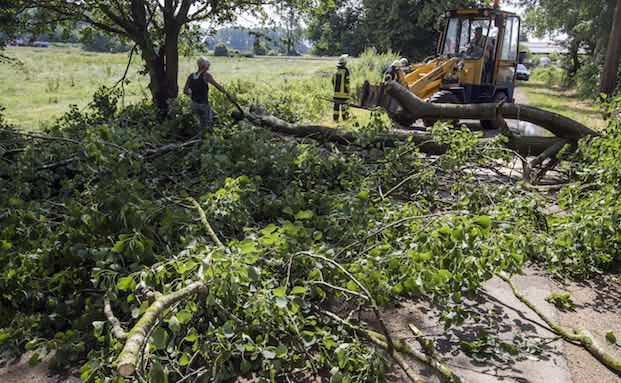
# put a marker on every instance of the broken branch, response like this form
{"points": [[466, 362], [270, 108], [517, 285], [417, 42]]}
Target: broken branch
{"points": [[580, 336], [117, 329], [126, 363]]}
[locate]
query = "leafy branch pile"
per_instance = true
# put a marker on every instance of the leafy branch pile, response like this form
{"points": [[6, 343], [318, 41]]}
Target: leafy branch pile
{"points": [[275, 245]]}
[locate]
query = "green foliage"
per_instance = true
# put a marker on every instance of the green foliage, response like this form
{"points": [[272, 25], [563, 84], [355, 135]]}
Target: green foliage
{"points": [[550, 75], [88, 213], [342, 26], [562, 301]]}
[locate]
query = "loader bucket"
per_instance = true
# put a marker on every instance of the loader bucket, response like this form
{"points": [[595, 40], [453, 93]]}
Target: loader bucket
{"points": [[373, 96]]}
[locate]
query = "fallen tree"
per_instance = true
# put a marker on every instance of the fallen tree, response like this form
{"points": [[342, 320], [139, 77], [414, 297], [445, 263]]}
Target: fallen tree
{"points": [[525, 146]]}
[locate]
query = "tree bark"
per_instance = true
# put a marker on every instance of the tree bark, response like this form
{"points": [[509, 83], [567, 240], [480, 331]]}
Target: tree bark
{"points": [[613, 52], [525, 146], [560, 126]]}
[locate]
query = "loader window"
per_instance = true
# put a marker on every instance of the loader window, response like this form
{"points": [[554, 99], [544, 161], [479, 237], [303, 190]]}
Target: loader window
{"points": [[451, 38], [473, 39], [510, 39]]}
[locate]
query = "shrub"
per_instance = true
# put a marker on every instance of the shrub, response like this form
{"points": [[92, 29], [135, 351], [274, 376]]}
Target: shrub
{"points": [[587, 80], [221, 50], [549, 75]]}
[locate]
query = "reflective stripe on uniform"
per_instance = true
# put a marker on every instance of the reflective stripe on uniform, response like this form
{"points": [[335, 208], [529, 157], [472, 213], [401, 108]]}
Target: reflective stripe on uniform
{"points": [[341, 83]]}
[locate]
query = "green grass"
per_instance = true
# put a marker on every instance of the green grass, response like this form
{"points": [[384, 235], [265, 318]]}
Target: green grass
{"points": [[45, 82], [564, 102]]}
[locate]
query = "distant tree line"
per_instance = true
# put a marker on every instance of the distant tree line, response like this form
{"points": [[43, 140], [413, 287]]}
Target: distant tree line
{"points": [[410, 27], [257, 40]]}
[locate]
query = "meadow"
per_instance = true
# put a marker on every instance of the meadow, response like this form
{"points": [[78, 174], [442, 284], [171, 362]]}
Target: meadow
{"points": [[43, 83]]}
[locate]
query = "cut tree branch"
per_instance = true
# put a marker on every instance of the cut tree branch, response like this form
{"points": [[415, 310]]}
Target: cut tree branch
{"points": [[117, 329], [126, 363], [580, 336]]}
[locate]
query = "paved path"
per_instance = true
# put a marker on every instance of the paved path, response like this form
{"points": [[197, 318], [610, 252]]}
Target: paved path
{"points": [[505, 320]]}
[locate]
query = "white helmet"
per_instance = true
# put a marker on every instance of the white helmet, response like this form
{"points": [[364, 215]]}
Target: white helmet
{"points": [[396, 64], [404, 62], [343, 60]]}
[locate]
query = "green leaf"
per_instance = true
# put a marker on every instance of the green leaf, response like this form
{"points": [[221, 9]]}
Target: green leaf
{"points": [[254, 273], [298, 290], [282, 351], [125, 283], [184, 316], [192, 337], [35, 359], [184, 360], [304, 215], [611, 337], [4, 336], [483, 221], [157, 374], [351, 285], [280, 292], [159, 338], [247, 247], [269, 229]]}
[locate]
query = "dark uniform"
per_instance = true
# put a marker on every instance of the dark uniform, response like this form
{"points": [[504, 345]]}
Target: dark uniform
{"points": [[341, 85]]}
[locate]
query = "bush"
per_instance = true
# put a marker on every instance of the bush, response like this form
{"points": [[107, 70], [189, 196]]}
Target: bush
{"points": [[97, 42], [587, 80], [549, 75], [260, 51], [221, 50]]}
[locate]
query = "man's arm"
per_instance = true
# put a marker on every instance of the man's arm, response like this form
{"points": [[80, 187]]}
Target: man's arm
{"points": [[210, 80]]}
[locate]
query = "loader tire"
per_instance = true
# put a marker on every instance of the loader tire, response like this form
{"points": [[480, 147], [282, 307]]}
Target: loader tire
{"points": [[441, 97]]}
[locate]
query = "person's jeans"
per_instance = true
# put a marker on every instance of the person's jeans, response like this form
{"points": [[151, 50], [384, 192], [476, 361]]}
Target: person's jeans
{"points": [[204, 113]]}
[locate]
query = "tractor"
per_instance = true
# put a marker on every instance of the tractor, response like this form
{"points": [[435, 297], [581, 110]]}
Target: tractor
{"points": [[475, 62]]}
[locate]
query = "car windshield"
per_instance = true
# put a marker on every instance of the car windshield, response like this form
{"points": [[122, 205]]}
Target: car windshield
{"points": [[469, 37]]}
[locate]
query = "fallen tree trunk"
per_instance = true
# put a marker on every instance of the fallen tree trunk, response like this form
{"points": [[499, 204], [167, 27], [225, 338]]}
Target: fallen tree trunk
{"points": [[525, 146], [560, 126]]}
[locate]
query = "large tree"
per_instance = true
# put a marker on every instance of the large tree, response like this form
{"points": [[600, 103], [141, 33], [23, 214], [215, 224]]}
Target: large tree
{"points": [[154, 26], [407, 26], [584, 25], [613, 53]]}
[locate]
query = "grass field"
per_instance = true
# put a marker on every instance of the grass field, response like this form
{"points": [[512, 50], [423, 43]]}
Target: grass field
{"points": [[563, 102], [45, 82]]}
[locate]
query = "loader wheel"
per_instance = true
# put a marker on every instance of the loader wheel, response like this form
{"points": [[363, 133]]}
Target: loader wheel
{"points": [[491, 124], [441, 97]]}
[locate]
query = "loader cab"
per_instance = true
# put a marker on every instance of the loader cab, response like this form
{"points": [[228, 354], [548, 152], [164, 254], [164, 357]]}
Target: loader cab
{"points": [[486, 42]]}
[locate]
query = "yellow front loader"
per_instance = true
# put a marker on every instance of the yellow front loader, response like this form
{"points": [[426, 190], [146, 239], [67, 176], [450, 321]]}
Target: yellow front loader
{"points": [[475, 63]]}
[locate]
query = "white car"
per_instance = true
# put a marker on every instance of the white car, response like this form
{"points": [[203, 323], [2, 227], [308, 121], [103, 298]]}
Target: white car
{"points": [[522, 73]]}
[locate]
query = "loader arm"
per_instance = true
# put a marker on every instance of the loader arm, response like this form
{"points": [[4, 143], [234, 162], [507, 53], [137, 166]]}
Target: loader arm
{"points": [[423, 80]]}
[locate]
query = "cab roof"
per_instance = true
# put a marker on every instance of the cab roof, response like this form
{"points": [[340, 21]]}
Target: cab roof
{"points": [[482, 12]]}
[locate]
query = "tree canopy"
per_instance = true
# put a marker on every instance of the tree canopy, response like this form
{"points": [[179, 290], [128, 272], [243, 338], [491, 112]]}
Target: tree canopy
{"points": [[405, 26]]}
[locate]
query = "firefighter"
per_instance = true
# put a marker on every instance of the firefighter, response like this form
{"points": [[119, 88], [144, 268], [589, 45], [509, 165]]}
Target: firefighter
{"points": [[341, 85]]}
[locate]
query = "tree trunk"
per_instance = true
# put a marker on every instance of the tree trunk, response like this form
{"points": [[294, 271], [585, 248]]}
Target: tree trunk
{"points": [[163, 67], [574, 57], [525, 146], [613, 52], [560, 126]]}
